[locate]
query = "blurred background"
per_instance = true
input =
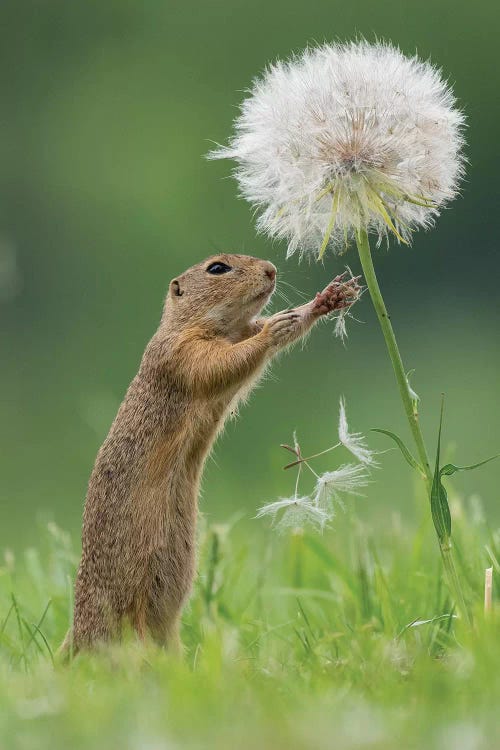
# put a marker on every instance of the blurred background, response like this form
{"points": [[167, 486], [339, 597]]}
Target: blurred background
{"points": [[107, 111]]}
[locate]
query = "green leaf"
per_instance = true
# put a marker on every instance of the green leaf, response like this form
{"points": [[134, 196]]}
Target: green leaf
{"points": [[439, 499], [402, 447], [440, 509], [450, 469]]}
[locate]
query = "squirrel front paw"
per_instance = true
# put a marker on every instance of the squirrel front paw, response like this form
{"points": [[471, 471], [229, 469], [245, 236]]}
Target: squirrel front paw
{"points": [[283, 327], [337, 295]]}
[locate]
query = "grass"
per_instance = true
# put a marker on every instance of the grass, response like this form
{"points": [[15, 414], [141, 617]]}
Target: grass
{"points": [[343, 641]]}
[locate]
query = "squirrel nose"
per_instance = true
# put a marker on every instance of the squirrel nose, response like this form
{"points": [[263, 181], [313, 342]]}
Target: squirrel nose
{"points": [[270, 271]]}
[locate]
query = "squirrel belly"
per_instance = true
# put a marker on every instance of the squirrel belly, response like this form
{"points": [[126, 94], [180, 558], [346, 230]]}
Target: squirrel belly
{"points": [[139, 524]]}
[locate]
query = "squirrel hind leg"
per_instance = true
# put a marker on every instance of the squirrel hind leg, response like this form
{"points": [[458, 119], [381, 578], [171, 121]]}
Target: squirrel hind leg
{"points": [[166, 629], [95, 623], [138, 616]]}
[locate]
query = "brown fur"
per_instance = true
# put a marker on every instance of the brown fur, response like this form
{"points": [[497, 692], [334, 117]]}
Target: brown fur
{"points": [[138, 558]]}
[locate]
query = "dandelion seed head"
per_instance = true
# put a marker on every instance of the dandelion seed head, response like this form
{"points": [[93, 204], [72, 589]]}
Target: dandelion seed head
{"points": [[347, 137], [355, 442]]}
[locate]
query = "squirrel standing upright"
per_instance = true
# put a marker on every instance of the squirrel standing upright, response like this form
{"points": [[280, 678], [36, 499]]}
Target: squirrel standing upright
{"points": [[139, 523]]}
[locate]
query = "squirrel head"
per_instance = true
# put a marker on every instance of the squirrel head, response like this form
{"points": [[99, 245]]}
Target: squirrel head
{"points": [[224, 291]]}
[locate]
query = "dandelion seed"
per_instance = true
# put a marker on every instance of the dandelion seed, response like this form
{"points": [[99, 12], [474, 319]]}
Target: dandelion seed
{"points": [[340, 329], [347, 479], [355, 442], [298, 512], [346, 138], [318, 510]]}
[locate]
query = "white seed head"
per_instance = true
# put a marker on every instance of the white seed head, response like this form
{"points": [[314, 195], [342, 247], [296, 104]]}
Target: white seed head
{"points": [[355, 442], [344, 138]]}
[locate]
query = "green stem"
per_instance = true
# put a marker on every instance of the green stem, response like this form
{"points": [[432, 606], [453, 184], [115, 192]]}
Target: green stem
{"points": [[392, 346], [453, 579], [409, 407]]}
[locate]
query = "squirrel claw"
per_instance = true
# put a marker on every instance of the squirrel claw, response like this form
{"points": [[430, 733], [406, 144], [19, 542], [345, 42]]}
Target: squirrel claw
{"points": [[338, 295]]}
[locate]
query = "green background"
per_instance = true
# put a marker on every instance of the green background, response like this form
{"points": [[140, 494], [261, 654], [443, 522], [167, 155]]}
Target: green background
{"points": [[107, 110]]}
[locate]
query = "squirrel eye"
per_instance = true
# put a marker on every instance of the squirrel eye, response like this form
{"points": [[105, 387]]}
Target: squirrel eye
{"points": [[217, 268]]}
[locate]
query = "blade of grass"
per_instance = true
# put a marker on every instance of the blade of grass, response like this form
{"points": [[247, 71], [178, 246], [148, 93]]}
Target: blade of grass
{"points": [[20, 630]]}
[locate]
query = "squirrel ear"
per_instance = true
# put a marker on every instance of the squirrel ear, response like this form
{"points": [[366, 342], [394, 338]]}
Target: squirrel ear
{"points": [[175, 289]]}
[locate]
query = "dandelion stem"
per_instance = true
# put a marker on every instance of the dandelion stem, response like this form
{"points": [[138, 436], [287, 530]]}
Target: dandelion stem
{"points": [[392, 346], [410, 408]]}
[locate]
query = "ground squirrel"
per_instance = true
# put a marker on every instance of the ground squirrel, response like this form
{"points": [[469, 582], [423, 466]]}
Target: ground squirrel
{"points": [[138, 557]]}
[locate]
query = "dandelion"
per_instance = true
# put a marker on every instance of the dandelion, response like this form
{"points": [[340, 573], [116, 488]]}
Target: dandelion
{"points": [[346, 141], [355, 442], [346, 138]]}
